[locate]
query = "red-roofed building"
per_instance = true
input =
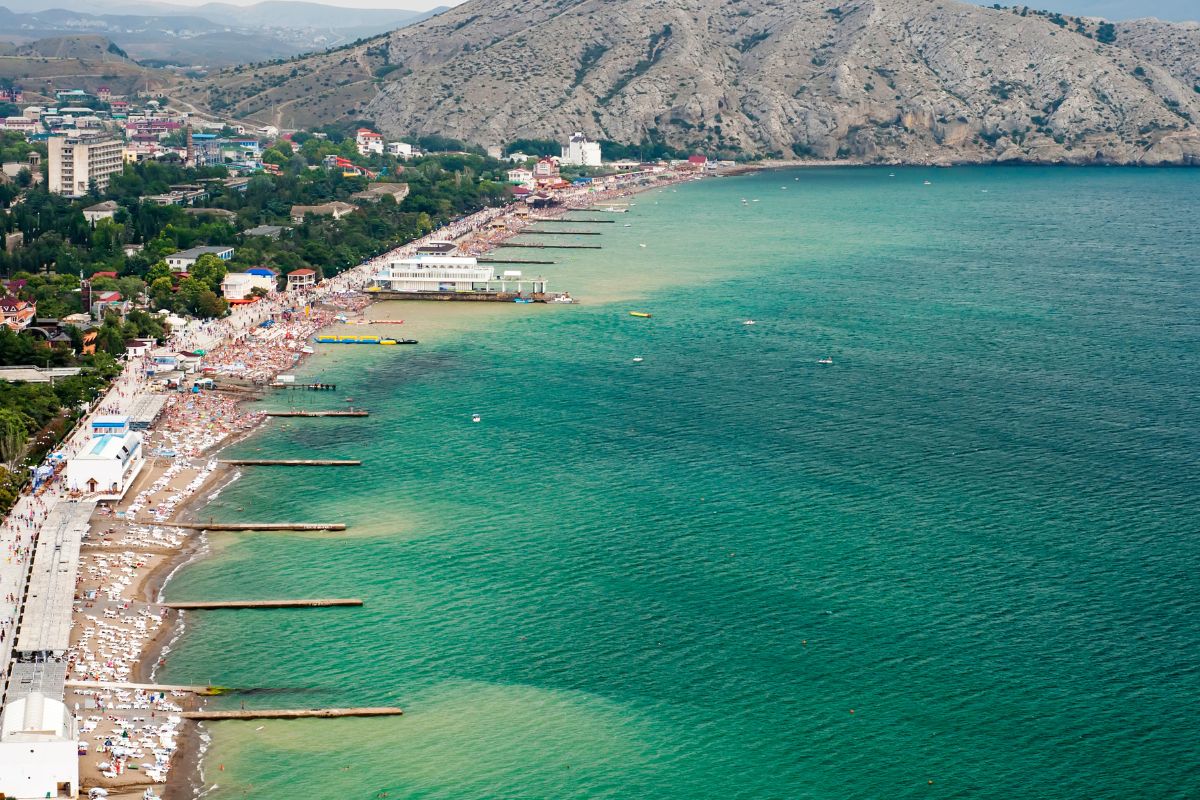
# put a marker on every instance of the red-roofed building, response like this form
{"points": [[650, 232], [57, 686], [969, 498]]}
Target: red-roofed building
{"points": [[368, 142], [300, 279], [16, 313], [698, 161]]}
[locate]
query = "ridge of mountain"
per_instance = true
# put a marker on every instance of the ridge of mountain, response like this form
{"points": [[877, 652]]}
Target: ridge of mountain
{"points": [[871, 80]]}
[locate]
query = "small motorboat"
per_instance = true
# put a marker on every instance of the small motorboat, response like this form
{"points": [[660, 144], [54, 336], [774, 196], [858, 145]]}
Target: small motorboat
{"points": [[476, 418], [825, 360], [637, 359], [642, 314], [929, 183], [307, 350], [627, 225], [748, 322], [641, 245], [522, 300]]}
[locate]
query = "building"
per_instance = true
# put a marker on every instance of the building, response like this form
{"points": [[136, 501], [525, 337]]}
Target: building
{"points": [[581, 152], [521, 177], [181, 261], [16, 313], [270, 231], [39, 742], [100, 211], [206, 149], [546, 169], [80, 161], [336, 209], [301, 279], [107, 466], [401, 150], [368, 142], [239, 285], [109, 425], [433, 273], [377, 191], [103, 302], [23, 125]]}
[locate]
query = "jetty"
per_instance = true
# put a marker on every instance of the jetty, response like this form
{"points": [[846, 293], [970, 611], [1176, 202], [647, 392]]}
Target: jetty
{"points": [[260, 526], [290, 462], [297, 713], [312, 387], [205, 605], [146, 687], [551, 246], [513, 261], [569, 220], [531, 231], [317, 413]]}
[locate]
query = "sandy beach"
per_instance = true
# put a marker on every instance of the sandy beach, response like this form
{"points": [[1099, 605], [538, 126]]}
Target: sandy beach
{"points": [[135, 739]]}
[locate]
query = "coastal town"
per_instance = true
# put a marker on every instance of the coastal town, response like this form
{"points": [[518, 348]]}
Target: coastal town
{"points": [[99, 506]]}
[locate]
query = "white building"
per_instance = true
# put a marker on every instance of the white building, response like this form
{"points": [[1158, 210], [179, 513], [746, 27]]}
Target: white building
{"points": [[107, 466], [522, 177], [400, 149], [237, 285], [100, 211], [81, 160], [581, 152], [433, 273], [182, 260], [39, 744], [368, 142]]}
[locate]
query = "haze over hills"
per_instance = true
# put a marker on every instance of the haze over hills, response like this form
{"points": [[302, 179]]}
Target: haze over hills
{"points": [[909, 80], [212, 34]]}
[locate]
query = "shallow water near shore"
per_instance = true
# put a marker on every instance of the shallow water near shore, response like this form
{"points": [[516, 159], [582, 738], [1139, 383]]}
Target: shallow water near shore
{"points": [[964, 553]]}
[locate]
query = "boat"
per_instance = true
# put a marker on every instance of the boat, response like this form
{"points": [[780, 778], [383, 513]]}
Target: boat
{"points": [[522, 300], [562, 298], [637, 359], [476, 418], [308, 351], [642, 314], [748, 322], [824, 360], [628, 225], [929, 183]]}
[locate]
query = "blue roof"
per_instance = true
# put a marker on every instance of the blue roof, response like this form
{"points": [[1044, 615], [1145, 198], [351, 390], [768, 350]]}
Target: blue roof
{"points": [[264, 272]]}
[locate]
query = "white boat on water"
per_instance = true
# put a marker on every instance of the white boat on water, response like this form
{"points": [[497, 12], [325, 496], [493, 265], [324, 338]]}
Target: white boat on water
{"points": [[562, 298], [476, 418], [307, 350], [637, 359], [748, 322], [825, 361]]}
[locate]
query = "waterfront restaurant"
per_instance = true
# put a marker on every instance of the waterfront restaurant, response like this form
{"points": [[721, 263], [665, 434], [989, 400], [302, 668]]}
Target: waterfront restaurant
{"points": [[428, 272]]}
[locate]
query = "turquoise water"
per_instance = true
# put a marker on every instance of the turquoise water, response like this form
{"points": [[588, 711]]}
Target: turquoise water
{"points": [[965, 553]]}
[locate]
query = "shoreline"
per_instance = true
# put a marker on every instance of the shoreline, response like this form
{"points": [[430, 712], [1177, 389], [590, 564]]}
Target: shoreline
{"points": [[185, 773]]}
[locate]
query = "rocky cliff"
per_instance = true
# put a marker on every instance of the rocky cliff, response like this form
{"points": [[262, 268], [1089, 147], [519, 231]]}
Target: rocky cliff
{"points": [[877, 80]]}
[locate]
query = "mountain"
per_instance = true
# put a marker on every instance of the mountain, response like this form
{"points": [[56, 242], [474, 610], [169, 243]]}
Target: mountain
{"points": [[911, 80], [215, 34], [74, 62]]}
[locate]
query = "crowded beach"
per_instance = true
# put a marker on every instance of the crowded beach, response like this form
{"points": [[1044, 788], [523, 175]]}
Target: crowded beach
{"points": [[128, 737]]}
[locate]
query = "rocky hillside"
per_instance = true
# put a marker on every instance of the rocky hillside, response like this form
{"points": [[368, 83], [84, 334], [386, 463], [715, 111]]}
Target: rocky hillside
{"points": [[911, 80]]}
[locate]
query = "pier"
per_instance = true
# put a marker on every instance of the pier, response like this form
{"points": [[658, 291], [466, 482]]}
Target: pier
{"points": [[529, 231], [572, 219], [207, 605], [289, 462], [317, 413], [301, 713], [206, 691], [260, 526], [312, 387], [513, 261], [551, 246]]}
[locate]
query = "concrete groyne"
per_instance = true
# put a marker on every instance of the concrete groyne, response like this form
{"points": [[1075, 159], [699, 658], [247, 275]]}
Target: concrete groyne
{"points": [[205, 605], [260, 526], [298, 713], [290, 462]]}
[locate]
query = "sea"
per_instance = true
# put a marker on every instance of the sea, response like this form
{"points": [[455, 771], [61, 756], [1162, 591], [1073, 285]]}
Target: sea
{"points": [[959, 561]]}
